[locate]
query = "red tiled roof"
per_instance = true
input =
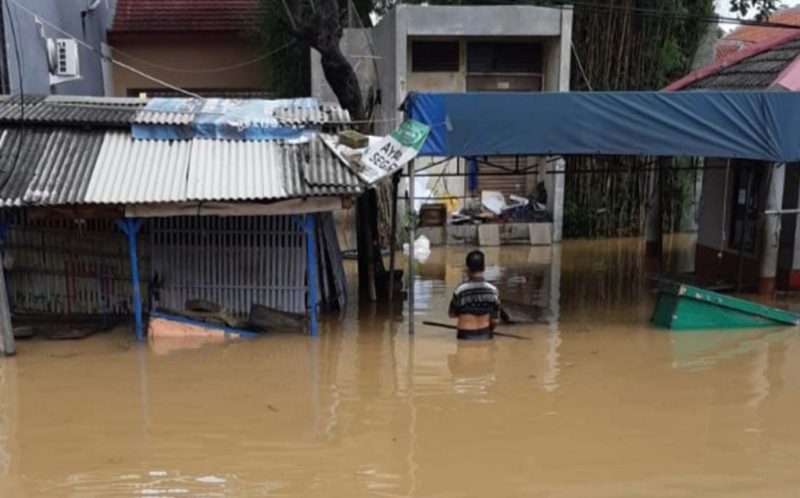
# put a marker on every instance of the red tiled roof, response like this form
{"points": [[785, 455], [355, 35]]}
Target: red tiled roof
{"points": [[776, 59], [184, 15], [759, 34]]}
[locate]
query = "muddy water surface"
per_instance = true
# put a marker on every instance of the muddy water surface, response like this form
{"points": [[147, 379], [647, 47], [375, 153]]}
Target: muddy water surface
{"points": [[598, 403]]}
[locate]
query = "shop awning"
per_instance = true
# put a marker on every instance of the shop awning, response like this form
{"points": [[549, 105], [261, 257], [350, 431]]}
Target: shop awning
{"points": [[748, 125]]}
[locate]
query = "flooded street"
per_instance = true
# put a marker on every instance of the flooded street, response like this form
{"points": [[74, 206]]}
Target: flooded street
{"points": [[598, 403]]}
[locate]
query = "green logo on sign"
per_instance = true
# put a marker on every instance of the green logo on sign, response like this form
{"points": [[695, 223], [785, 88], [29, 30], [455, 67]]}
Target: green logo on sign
{"points": [[411, 134]]}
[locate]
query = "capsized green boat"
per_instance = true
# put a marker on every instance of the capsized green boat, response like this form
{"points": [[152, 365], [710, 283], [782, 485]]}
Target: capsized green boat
{"points": [[685, 307]]}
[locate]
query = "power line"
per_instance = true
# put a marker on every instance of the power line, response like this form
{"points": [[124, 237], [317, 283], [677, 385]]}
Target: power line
{"points": [[661, 14], [100, 54], [17, 52], [221, 69], [580, 66]]}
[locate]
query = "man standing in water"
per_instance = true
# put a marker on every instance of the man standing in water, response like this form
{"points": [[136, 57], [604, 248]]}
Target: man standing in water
{"points": [[476, 302]]}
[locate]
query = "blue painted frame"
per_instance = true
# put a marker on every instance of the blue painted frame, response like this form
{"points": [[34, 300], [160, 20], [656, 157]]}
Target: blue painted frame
{"points": [[311, 251], [130, 227]]}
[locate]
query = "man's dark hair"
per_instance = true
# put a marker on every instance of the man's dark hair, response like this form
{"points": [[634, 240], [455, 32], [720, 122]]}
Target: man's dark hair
{"points": [[475, 262]]}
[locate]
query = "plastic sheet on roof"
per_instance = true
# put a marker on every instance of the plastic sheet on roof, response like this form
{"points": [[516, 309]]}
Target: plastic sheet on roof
{"points": [[218, 119], [749, 125]]}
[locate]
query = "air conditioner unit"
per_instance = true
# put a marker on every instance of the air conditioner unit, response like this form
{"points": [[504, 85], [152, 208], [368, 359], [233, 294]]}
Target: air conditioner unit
{"points": [[65, 60]]}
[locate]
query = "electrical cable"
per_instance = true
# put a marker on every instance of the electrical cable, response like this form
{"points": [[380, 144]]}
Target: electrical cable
{"points": [[658, 14], [100, 54], [21, 128], [221, 69]]}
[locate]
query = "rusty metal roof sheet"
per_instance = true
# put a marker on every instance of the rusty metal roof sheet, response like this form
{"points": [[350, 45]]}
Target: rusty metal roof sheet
{"points": [[326, 114], [70, 110], [51, 167]]}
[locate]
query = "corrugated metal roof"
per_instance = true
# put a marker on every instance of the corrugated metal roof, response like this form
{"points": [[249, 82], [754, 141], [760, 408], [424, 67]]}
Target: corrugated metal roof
{"points": [[164, 118], [235, 170], [156, 171], [305, 116], [323, 169], [53, 167], [117, 111], [132, 171], [71, 110]]}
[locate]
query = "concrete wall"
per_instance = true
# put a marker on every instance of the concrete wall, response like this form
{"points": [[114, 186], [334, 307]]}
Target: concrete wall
{"points": [[714, 211], [66, 14], [714, 256], [194, 52], [506, 20], [392, 38]]}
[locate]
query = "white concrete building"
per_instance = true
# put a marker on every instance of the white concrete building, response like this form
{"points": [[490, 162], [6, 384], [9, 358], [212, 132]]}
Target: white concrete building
{"points": [[421, 48]]}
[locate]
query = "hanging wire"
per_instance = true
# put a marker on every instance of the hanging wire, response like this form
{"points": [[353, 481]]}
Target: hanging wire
{"points": [[221, 69], [21, 127], [100, 54]]}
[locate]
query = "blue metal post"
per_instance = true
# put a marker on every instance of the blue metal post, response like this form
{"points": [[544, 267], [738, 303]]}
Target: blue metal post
{"points": [[130, 227], [311, 250]]}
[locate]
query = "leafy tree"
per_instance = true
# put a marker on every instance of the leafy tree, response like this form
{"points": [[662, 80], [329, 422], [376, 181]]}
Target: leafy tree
{"points": [[763, 8], [290, 27]]}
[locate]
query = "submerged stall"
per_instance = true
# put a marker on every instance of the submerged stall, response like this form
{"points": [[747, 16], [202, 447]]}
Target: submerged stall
{"points": [[118, 207]]}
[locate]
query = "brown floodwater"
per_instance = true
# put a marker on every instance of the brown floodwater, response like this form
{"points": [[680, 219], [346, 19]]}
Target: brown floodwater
{"points": [[597, 404]]}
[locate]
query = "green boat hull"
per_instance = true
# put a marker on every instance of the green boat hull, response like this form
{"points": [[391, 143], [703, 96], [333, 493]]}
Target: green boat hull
{"points": [[685, 307]]}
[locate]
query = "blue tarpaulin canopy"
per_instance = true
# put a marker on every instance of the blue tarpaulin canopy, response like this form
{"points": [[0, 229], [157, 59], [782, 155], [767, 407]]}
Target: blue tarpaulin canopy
{"points": [[748, 125]]}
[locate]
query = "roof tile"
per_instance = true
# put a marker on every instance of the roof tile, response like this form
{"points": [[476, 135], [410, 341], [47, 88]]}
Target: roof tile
{"points": [[185, 15]]}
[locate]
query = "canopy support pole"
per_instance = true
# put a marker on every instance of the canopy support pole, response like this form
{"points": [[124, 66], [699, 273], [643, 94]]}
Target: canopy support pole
{"points": [[130, 227], [743, 233], [771, 235], [411, 236], [653, 222]]}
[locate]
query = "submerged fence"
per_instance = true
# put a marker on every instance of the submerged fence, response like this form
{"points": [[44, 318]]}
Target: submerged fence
{"points": [[69, 267], [235, 262]]}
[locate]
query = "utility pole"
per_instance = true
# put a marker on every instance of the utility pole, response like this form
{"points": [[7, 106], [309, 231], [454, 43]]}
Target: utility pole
{"points": [[4, 87]]}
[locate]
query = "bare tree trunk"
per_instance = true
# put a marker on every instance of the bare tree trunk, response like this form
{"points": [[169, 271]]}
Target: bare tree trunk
{"points": [[343, 81]]}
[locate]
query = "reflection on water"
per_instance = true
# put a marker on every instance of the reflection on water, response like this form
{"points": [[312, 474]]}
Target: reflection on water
{"points": [[597, 403]]}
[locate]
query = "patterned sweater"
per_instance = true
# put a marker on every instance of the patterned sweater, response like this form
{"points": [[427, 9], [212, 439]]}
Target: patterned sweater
{"points": [[475, 297]]}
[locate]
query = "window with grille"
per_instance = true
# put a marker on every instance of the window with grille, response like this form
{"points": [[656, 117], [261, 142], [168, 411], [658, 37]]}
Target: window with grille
{"points": [[435, 56], [504, 57]]}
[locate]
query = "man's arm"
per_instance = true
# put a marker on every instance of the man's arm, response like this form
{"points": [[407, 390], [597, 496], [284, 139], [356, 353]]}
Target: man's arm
{"points": [[494, 319], [453, 309]]}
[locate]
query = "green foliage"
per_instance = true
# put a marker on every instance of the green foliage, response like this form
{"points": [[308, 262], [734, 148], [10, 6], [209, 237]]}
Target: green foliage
{"points": [[288, 70], [762, 8]]}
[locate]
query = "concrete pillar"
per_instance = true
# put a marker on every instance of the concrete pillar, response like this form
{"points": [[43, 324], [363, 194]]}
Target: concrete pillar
{"points": [[771, 233], [653, 223], [554, 184]]}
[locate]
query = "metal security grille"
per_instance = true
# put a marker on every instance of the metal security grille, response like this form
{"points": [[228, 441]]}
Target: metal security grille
{"points": [[69, 267], [235, 262], [504, 57]]}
